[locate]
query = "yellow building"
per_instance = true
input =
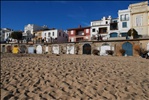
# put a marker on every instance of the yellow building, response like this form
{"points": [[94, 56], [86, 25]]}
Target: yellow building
{"points": [[38, 36], [139, 13]]}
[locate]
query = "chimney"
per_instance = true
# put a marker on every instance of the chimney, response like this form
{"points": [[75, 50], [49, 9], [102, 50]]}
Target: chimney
{"points": [[79, 26]]}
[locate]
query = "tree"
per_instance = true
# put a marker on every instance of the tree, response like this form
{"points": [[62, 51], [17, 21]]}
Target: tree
{"points": [[132, 32], [16, 35]]}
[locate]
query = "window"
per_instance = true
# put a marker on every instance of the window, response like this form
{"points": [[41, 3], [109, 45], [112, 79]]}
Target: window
{"points": [[93, 30], [63, 34], [71, 32], [124, 17], [106, 22], [127, 17], [124, 24], [59, 33], [139, 21], [87, 30], [53, 33], [49, 34], [44, 34]]}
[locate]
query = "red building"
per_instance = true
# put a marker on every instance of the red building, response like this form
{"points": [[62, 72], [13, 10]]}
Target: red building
{"points": [[79, 34]]}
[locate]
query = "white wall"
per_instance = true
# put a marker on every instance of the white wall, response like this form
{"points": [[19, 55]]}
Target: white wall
{"points": [[123, 12], [55, 35], [99, 24]]}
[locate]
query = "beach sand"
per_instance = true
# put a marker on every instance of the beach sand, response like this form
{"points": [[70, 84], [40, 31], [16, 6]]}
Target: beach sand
{"points": [[73, 77]]}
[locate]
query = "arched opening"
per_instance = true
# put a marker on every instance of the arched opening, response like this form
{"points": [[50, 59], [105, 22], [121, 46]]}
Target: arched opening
{"points": [[15, 49], [23, 49], [70, 49], [9, 49], [104, 48], [55, 49], [39, 49], [30, 49], [114, 34], [128, 47], [86, 49]]}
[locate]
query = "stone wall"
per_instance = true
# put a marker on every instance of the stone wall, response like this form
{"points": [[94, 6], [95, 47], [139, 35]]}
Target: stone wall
{"points": [[78, 46]]}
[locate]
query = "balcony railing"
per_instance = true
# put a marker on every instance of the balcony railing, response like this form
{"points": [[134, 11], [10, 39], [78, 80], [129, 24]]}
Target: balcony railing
{"points": [[80, 34]]}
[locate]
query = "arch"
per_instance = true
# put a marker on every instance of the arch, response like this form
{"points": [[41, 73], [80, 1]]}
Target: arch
{"points": [[104, 48], [9, 49], [70, 49], [46, 49], [128, 47], [39, 49], [87, 49], [55, 49], [23, 49], [31, 49], [114, 34], [15, 49]]}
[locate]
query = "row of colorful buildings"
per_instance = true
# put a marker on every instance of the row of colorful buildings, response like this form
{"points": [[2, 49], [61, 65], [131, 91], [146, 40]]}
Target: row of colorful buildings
{"points": [[107, 28]]}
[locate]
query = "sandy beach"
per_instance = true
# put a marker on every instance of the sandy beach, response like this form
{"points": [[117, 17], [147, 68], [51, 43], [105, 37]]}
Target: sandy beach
{"points": [[73, 77]]}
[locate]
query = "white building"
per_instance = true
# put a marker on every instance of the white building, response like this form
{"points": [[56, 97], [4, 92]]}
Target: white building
{"points": [[124, 21], [55, 35], [106, 27], [100, 26], [30, 28], [5, 34]]}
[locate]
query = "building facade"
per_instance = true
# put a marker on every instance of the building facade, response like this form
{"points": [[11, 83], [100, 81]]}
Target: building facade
{"points": [[79, 34], [30, 28], [124, 22], [54, 35], [140, 18], [5, 34], [106, 28]]}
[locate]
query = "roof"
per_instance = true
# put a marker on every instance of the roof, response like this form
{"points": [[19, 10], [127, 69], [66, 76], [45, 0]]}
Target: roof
{"points": [[79, 28]]}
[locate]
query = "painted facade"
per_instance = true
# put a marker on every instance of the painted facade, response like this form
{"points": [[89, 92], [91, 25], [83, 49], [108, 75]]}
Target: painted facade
{"points": [[30, 28], [140, 18], [124, 22], [79, 34], [55, 35], [5, 35], [101, 27]]}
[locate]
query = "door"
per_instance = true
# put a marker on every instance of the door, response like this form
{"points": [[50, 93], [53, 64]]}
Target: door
{"points": [[70, 49], [31, 49], [56, 49], [46, 49], [86, 49], [39, 49], [9, 49], [128, 47], [22, 49], [104, 48]]}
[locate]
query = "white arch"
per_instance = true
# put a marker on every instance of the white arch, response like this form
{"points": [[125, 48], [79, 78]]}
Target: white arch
{"points": [[39, 49], [55, 49]]}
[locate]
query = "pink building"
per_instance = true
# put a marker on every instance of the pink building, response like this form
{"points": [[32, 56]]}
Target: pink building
{"points": [[79, 34]]}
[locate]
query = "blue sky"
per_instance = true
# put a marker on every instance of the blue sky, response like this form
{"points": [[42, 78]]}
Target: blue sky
{"points": [[57, 14]]}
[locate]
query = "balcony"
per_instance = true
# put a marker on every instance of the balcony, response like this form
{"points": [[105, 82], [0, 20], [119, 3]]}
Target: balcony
{"points": [[80, 33]]}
